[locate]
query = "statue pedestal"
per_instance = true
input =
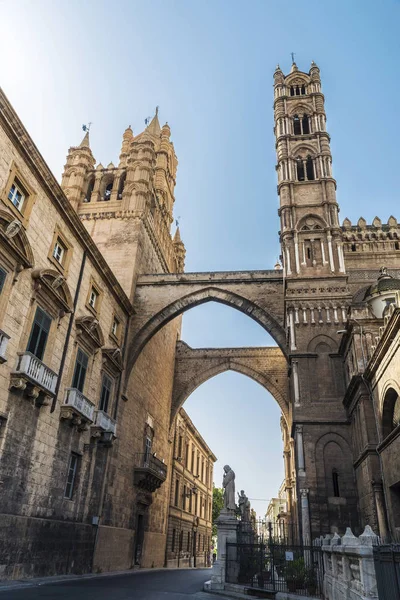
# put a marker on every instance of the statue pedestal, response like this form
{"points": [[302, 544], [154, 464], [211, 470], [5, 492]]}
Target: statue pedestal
{"points": [[227, 525]]}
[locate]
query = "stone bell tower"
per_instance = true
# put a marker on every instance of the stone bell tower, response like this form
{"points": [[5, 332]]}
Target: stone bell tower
{"points": [[128, 209], [310, 232], [317, 297]]}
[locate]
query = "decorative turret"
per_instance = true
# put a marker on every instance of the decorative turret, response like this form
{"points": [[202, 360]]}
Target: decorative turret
{"points": [[180, 251], [126, 141], [80, 161]]}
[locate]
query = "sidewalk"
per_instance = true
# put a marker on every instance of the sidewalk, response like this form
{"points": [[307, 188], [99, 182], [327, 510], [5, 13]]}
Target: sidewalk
{"points": [[15, 584]]}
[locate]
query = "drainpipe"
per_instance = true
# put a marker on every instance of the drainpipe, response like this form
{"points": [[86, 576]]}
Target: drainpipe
{"points": [[66, 343]]}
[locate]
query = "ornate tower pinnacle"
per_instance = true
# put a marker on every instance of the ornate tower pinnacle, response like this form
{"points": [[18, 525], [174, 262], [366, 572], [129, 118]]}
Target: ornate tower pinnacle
{"points": [[80, 161], [310, 233]]}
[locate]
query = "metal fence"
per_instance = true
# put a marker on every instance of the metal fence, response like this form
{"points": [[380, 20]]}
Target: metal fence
{"points": [[387, 569], [276, 568]]}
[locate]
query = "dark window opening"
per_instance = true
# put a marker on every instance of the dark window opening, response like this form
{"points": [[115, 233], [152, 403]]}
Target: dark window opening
{"points": [[396, 247], [395, 502], [180, 446], [71, 476], [300, 170], [353, 248], [173, 540], [121, 186], [180, 541], [303, 90], [335, 481], [39, 333], [296, 125], [306, 124], [309, 253], [292, 91], [106, 387], [81, 365], [3, 275], [89, 191], [310, 168], [391, 412], [188, 542], [297, 90], [187, 456], [107, 191], [177, 492]]}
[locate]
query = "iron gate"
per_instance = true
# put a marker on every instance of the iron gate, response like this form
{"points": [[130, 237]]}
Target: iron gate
{"points": [[276, 568], [387, 569]]}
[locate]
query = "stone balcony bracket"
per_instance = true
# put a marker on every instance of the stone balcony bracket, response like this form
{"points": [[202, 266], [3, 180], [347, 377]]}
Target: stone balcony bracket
{"points": [[34, 379], [77, 409]]}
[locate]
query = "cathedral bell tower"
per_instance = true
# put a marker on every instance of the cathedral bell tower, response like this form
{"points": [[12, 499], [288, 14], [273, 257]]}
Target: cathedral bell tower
{"points": [[310, 233], [128, 209]]}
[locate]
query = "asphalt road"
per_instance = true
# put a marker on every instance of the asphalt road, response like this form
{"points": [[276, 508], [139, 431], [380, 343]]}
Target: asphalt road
{"points": [[157, 585]]}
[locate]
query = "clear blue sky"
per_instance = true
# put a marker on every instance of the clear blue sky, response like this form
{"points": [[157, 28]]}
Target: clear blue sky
{"points": [[209, 66]]}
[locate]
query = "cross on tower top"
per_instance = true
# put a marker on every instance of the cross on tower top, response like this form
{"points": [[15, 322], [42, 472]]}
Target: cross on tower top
{"points": [[292, 55]]}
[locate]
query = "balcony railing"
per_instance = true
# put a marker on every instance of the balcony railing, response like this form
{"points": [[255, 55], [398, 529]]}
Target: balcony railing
{"points": [[74, 399], [105, 422], [3, 346], [35, 371], [150, 472]]}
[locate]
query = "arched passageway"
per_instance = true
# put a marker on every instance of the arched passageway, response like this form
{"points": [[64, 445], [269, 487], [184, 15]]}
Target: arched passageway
{"points": [[267, 366], [161, 298]]}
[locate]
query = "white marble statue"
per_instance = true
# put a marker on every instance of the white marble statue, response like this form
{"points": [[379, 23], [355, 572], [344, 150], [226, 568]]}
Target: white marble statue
{"points": [[228, 483]]}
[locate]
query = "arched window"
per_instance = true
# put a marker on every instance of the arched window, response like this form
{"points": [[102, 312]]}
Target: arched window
{"points": [[297, 90], [335, 483], [296, 125], [292, 91], [310, 168], [306, 124], [303, 90], [107, 191], [121, 186], [391, 412], [396, 246], [300, 170], [89, 190]]}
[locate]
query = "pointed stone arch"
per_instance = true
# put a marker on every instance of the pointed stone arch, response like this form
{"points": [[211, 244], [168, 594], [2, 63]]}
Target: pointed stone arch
{"points": [[201, 295], [266, 365]]}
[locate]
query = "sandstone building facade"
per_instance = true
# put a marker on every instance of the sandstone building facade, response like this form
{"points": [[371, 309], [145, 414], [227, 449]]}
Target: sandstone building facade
{"points": [[190, 509], [94, 374]]}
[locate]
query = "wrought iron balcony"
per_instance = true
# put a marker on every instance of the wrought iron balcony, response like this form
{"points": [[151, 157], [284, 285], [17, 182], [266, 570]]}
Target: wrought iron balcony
{"points": [[3, 346], [150, 472], [33, 374], [77, 408]]}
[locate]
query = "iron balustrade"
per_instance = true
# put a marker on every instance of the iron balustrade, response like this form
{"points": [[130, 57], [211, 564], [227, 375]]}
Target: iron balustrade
{"points": [[75, 399], [150, 472], [36, 371], [105, 422]]}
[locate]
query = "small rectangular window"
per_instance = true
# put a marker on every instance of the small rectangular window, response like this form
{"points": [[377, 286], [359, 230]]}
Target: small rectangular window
{"points": [[39, 333], [115, 327], [17, 195], [3, 275], [71, 476], [177, 492], [59, 251], [94, 294], [147, 451], [106, 387], [81, 365]]}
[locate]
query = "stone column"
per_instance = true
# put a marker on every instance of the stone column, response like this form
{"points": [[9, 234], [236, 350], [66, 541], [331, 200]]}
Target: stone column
{"points": [[331, 261], [305, 516], [380, 508], [300, 451], [292, 331], [227, 524], [296, 383]]}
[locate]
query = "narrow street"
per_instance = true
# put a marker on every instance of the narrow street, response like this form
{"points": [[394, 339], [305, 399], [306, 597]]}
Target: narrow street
{"points": [[167, 584]]}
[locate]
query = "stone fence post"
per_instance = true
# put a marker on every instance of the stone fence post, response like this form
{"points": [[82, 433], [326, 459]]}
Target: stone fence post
{"points": [[349, 566]]}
